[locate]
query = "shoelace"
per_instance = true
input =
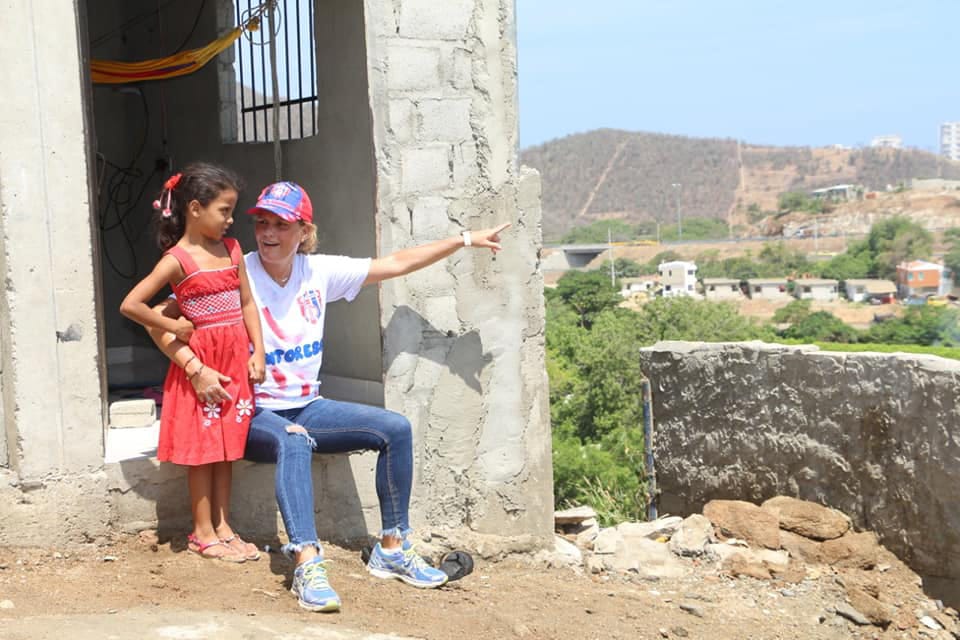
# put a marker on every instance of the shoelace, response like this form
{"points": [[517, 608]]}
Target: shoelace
{"points": [[413, 559], [315, 575]]}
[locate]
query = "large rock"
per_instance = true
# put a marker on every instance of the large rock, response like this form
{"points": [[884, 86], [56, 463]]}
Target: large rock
{"points": [[872, 609], [738, 519], [743, 561], [801, 548], [692, 536], [575, 515], [659, 528], [853, 550], [648, 558], [808, 519], [608, 541]]}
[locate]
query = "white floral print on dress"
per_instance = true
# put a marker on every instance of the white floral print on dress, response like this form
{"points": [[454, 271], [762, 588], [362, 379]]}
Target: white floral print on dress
{"points": [[211, 410], [244, 409]]}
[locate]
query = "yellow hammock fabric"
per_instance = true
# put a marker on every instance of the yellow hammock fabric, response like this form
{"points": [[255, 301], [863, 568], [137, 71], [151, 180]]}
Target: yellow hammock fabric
{"points": [[179, 64]]}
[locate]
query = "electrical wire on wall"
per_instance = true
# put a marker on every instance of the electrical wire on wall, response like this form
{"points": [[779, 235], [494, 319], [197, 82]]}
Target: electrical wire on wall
{"points": [[120, 188], [120, 191]]}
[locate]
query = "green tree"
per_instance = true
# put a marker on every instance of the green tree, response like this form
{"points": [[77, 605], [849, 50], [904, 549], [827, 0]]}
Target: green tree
{"points": [[951, 259], [920, 324], [848, 265], [794, 312], [895, 240], [821, 326], [596, 232], [588, 293]]}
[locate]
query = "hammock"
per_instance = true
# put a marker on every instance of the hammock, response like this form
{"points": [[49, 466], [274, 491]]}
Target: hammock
{"points": [[179, 64]]}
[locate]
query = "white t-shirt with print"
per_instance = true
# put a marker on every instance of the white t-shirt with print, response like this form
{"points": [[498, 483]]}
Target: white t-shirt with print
{"points": [[291, 318]]}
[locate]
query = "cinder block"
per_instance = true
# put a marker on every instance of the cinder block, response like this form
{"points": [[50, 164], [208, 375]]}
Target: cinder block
{"points": [[412, 68], [139, 412], [445, 119], [402, 120], [425, 169], [446, 20]]}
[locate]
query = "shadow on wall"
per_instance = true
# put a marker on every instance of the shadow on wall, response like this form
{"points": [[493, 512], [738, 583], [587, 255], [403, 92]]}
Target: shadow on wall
{"points": [[410, 333]]}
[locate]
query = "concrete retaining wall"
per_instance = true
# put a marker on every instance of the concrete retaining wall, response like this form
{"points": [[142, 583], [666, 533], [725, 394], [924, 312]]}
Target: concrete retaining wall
{"points": [[874, 435]]}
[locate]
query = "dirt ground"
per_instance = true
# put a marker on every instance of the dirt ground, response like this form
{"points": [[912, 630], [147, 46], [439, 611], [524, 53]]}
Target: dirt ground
{"points": [[506, 599]]}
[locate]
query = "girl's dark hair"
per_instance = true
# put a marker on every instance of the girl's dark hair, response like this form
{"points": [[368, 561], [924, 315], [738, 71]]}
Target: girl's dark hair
{"points": [[201, 181]]}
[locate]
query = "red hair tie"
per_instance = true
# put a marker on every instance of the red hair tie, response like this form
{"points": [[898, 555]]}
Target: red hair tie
{"points": [[167, 192]]}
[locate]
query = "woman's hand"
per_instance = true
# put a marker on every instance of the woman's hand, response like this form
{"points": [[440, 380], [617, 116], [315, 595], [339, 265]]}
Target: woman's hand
{"points": [[208, 384], [257, 368], [488, 238], [184, 329]]}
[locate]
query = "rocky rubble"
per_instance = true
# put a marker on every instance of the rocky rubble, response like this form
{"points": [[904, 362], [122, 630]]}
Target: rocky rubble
{"points": [[797, 546]]}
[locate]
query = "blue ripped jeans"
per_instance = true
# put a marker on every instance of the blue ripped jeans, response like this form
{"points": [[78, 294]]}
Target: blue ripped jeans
{"points": [[333, 427]]}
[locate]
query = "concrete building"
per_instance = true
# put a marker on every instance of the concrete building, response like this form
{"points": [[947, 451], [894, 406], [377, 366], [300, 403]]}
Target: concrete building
{"points": [[638, 284], [868, 289], [934, 184], [920, 279], [722, 289], [678, 278], [412, 137], [768, 288], [950, 140], [890, 141], [824, 290], [837, 192]]}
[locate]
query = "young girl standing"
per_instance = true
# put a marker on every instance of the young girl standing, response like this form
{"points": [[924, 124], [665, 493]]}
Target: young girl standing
{"points": [[207, 274]]}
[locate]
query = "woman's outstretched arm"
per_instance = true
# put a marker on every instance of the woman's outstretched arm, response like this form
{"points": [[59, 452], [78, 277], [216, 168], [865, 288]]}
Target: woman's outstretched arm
{"points": [[404, 261]]}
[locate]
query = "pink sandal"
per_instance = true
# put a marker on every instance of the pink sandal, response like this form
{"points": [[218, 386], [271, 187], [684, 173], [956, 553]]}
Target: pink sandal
{"points": [[200, 548], [250, 550]]}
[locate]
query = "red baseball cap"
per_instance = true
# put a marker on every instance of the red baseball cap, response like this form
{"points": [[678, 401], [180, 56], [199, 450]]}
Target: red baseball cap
{"points": [[285, 199]]}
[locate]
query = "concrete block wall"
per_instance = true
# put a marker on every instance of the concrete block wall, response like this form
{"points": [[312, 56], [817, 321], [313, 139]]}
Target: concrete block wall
{"points": [[874, 435], [463, 340]]}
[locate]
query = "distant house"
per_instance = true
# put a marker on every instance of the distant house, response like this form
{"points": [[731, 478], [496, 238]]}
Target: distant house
{"points": [[678, 278], [824, 290], [722, 289], [867, 289], [837, 192], [889, 141], [639, 284], [919, 279], [934, 184], [768, 288]]}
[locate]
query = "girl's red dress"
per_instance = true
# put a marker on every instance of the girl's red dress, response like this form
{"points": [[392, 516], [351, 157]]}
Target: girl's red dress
{"points": [[194, 432]]}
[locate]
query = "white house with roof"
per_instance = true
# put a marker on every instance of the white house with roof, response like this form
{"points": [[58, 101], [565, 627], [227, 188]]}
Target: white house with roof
{"points": [[768, 288], [679, 278], [639, 284], [823, 289], [722, 289], [867, 289]]}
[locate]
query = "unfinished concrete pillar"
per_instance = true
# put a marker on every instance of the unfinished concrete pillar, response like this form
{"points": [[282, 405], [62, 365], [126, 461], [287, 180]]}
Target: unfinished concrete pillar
{"points": [[463, 341], [52, 409]]}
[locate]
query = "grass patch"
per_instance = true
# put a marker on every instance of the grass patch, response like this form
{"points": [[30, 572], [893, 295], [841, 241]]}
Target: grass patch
{"points": [[952, 353]]}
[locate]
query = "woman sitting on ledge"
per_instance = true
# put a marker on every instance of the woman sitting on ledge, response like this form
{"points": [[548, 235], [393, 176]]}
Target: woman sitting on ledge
{"points": [[291, 288]]}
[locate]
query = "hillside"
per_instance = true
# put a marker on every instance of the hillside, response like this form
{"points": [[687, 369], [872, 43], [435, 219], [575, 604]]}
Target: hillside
{"points": [[609, 173]]}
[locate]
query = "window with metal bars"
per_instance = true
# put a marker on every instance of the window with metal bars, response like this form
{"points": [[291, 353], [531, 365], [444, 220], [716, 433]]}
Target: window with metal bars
{"points": [[295, 69]]}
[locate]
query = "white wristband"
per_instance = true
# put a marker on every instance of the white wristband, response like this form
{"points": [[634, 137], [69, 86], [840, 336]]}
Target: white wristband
{"points": [[466, 239]]}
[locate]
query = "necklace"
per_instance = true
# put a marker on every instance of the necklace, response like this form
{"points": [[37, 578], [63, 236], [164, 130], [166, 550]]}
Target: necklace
{"points": [[282, 281]]}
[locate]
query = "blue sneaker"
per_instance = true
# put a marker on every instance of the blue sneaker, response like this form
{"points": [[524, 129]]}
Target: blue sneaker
{"points": [[311, 587], [404, 564]]}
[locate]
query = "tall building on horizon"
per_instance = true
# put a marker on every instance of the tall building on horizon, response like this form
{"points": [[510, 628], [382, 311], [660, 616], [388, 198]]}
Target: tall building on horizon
{"points": [[950, 140]]}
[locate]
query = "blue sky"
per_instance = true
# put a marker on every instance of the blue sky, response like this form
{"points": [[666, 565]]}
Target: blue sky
{"points": [[800, 72]]}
